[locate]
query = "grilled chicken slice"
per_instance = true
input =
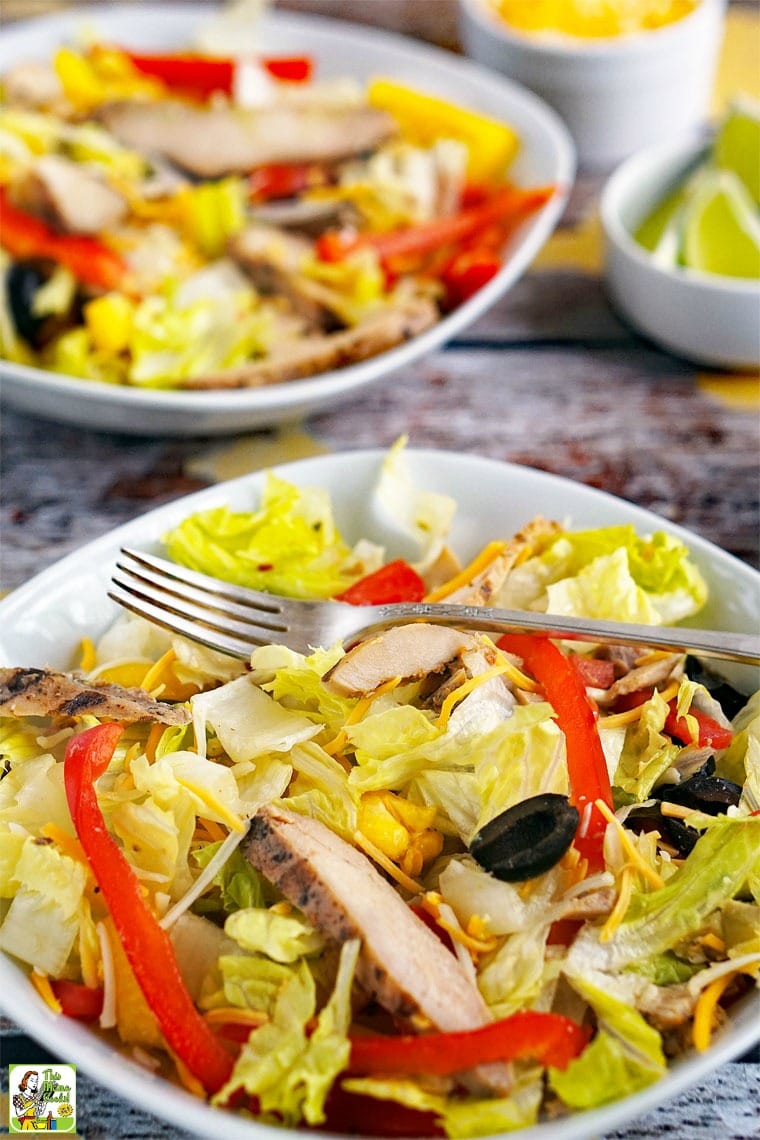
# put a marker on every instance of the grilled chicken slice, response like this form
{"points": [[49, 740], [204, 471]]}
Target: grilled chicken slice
{"points": [[39, 692], [402, 964], [657, 672], [316, 354], [32, 85], [272, 259], [406, 651], [213, 141], [71, 196]]}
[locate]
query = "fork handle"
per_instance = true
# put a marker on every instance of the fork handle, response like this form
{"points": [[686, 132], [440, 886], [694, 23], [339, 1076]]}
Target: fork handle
{"points": [[724, 646]]}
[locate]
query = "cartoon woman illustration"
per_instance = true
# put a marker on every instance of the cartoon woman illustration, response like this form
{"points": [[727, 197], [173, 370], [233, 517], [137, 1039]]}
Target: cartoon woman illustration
{"points": [[29, 1104]]}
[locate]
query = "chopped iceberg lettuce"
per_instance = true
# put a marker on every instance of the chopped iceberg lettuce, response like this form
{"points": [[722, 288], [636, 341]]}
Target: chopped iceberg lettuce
{"points": [[722, 862], [625, 1056], [609, 573], [289, 546], [282, 937], [647, 752], [289, 1071], [43, 918]]}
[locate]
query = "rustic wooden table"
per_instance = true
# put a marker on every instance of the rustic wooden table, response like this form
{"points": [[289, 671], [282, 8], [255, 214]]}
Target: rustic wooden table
{"points": [[551, 378]]}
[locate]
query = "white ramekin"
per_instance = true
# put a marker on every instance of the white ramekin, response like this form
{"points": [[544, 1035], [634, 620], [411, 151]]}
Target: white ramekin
{"points": [[703, 317], [615, 95]]}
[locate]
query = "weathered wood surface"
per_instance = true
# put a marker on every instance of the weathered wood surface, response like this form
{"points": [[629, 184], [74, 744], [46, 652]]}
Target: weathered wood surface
{"points": [[550, 378]]}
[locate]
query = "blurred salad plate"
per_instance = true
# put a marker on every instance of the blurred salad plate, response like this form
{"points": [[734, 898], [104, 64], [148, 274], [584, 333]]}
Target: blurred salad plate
{"points": [[204, 244], [344, 760]]}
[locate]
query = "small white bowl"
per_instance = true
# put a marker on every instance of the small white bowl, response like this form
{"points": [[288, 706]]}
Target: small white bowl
{"points": [[704, 317], [616, 95]]}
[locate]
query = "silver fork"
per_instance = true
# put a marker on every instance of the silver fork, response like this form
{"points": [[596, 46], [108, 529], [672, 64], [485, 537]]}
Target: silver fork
{"points": [[235, 620]]}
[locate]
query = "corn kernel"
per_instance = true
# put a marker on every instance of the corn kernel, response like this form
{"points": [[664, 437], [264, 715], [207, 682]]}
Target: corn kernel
{"points": [[109, 321]]}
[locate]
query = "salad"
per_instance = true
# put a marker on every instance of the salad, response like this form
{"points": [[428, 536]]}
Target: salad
{"points": [[431, 884], [200, 220]]}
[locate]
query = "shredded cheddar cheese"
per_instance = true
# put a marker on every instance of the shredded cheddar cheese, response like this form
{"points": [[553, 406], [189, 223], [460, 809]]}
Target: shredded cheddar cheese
{"points": [[704, 1010], [234, 822], [634, 855], [466, 688], [358, 712], [387, 864], [41, 983], [617, 914], [464, 578], [631, 716]]}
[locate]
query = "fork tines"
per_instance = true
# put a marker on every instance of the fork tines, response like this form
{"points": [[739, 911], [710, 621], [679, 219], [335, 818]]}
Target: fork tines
{"points": [[217, 614]]}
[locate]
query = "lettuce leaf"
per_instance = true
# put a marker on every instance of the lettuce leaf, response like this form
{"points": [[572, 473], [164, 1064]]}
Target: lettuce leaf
{"points": [[240, 884], [610, 573], [289, 1072], [248, 722], [421, 519], [251, 982], [289, 546], [43, 918], [283, 937], [647, 752], [723, 860], [625, 1056]]}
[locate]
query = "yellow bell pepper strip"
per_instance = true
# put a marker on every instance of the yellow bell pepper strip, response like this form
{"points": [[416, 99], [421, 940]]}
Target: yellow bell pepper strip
{"points": [[505, 207], [25, 236], [147, 946], [424, 118], [548, 1038], [576, 716]]}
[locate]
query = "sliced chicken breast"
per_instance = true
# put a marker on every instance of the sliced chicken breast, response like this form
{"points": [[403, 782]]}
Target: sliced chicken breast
{"points": [[39, 692], [213, 141], [402, 964], [272, 259], [405, 651], [316, 354], [73, 197]]}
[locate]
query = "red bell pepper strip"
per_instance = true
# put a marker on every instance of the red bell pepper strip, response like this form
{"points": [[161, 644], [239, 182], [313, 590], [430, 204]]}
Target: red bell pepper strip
{"points": [[395, 582], [564, 931], [548, 1038], [467, 272], [202, 75], [25, 236], [506, 207], [285, 179], [81, 1002], [576, 716], [350, 1114], [146, 944], [712, 734], [594, 673]]}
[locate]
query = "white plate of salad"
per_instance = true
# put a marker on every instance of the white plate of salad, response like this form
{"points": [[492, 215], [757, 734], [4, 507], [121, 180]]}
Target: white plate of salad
{"points": [[276, 833], [216, 223]]}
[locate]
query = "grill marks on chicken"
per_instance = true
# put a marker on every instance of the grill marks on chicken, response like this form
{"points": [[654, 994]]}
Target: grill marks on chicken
{"points": [[39, 692], [402, 964]]}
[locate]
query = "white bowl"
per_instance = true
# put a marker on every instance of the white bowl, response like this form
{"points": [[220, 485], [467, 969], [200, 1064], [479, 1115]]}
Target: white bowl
{"points": [[616, 95], [546, 156], [704, 317], [44, 621]]}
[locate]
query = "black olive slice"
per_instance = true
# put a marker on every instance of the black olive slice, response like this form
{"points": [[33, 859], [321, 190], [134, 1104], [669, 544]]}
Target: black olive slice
{"points": [[527, 839], [703, 792], [23, 280], [729, 699]]}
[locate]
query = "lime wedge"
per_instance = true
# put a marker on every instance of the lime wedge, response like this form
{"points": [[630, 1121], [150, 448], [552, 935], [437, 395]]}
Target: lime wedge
{"points": [[737, 144], [655, 226], [721, 231]]}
